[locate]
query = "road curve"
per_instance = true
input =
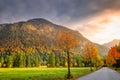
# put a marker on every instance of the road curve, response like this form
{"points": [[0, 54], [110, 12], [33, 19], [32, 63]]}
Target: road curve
{"points": [[102, 74]]}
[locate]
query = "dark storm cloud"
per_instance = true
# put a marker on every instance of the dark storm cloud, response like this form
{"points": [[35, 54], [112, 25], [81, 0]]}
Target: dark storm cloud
{"points": [[56, 10]]}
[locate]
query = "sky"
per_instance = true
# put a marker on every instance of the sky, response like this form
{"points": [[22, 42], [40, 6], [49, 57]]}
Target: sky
{"points": [[97, 20]]}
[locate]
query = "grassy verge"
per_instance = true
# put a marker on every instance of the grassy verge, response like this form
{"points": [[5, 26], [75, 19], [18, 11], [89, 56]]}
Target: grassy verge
{"points": [[40, 73]]}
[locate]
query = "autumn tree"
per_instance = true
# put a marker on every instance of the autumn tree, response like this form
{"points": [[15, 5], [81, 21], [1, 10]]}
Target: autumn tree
{"points": [[113, 56], [79, 61], [64, 62], [66, 41], [97, 61], [104, 60], [90, 54]]}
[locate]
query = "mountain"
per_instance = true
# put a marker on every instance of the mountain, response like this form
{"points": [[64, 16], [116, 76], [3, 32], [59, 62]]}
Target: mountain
{"points": [[36, 32], [112, 43]]}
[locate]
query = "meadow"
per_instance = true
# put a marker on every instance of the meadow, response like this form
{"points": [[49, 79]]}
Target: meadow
{"points": [[40, 73]]}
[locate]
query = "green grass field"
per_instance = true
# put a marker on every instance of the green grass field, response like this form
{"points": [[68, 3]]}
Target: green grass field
{"points": [[39, 73]]}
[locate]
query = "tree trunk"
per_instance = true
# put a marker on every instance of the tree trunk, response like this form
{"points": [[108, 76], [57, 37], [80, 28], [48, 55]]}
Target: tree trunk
{"points": [[91, 68], [91, 65], [68, 56]]}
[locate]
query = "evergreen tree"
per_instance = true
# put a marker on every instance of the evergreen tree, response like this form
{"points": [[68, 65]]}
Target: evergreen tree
{"points": [[16, 59], [64, 62], [57, 61], [1, 61], [52, 60], [22, 61], [10, 61], [32, 60], [40, 60], [36, 60], [78, 61], [28, 61]]}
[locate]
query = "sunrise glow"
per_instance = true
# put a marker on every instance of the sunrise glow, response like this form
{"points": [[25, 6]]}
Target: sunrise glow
{"points": [[101, 28]]}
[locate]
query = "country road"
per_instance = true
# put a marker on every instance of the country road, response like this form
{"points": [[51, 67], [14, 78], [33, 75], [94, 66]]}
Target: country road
{"points": [[102, 74]]}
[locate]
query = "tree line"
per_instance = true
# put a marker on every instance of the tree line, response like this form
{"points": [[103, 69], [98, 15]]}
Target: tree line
{"points": [[36, 57], [56, 55]]}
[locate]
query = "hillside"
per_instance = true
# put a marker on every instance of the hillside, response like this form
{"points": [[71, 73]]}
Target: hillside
{"points": [[36, 32], [112, 43]]}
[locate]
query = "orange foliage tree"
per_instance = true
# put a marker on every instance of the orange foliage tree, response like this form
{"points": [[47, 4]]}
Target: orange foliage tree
{"points": [[90, 54], [113, 56], [66, 41]]}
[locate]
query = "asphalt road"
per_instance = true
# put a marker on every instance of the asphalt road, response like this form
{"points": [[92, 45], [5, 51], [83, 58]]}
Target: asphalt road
{"points": [[102, 74]]}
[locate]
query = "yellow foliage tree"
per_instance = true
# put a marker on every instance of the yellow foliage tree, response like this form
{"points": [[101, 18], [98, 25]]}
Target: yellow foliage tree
{"points": [[66, 41], [91, 54]]}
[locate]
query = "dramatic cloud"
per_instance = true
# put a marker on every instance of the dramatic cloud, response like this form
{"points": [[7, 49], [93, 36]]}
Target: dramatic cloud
{"points": [[56, 10], [103, 27], [91, 29], [83, 15]]}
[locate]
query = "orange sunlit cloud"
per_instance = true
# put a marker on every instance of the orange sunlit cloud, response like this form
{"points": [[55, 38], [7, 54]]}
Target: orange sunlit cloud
{"points": [[102, 27]]}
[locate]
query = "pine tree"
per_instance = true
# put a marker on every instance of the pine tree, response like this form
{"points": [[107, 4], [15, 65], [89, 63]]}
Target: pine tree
{"points": [[78, 61], [22, 61], [52, 60], [57, 61], [64, 62], [28, 61], [10, 61], [1, 61], [16, 59], [36, 60], [40, 60]]}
